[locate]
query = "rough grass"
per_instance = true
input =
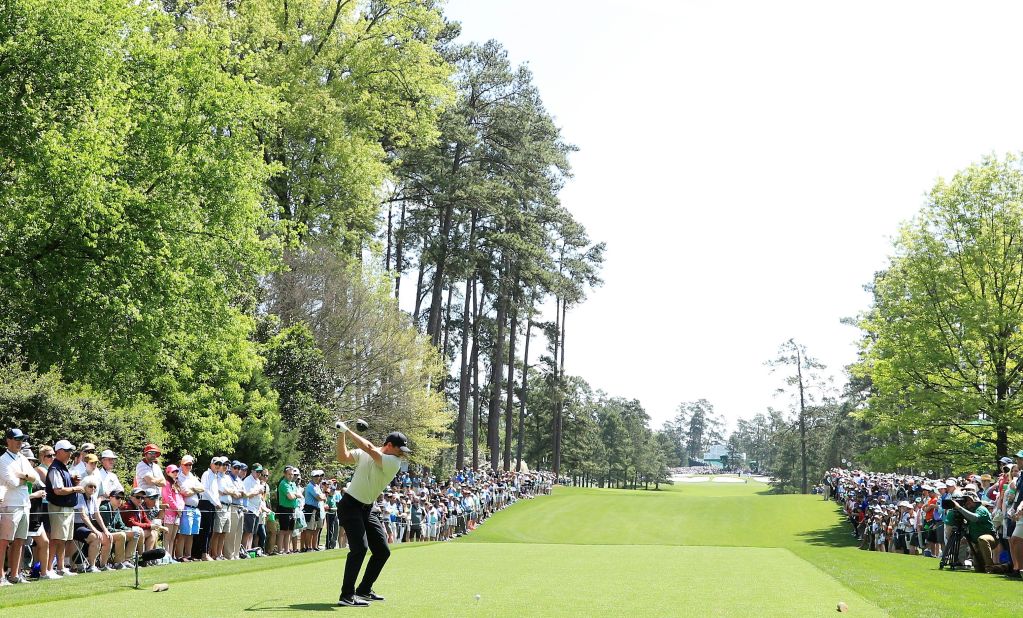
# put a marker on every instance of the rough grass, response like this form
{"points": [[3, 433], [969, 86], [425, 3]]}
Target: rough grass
{"points": [[690, 550]]}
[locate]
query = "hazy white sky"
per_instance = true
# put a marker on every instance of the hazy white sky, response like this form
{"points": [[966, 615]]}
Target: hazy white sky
{"points": [[747, 164]]}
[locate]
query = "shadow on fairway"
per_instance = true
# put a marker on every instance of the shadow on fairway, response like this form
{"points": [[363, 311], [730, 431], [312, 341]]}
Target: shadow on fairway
{"points": [[296, 607], [838, 534]]}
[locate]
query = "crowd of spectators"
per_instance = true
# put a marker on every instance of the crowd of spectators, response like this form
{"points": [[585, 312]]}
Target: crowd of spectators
{"points": [[66, 511], [919, 515]]}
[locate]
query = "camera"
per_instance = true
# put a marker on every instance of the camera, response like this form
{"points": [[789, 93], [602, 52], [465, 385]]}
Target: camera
{"points": [[949, 502]]}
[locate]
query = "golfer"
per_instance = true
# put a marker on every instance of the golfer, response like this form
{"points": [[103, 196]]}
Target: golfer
{"points": [[374, 469]]}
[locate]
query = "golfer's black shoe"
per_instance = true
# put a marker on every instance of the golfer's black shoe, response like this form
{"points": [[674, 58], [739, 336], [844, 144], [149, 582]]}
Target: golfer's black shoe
{"points": [[352, 601], [369, 596]]}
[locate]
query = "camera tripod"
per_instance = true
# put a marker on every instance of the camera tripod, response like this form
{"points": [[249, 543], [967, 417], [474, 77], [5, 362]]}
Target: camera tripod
{"points": [[950, 555]]}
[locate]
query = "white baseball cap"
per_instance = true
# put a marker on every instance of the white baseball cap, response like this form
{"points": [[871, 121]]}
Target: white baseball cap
{"points": [[107, 454], [63, 445]]}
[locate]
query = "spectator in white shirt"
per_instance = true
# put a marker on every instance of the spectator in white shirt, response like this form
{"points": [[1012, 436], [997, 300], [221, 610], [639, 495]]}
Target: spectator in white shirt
{"points": [[254, 489], [78, 470], [190, 488], [148, 474], [15, 473], [108, 480], [210, 506], [90, 529]]}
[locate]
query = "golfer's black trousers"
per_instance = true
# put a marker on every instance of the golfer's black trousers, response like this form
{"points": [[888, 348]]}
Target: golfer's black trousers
{"points": [[364, 532]]}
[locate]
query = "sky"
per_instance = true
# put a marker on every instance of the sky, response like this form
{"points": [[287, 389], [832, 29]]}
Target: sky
{"points": [[748, 165]]}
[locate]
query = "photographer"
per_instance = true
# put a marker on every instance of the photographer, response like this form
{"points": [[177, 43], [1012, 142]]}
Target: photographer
{"points": [[979, 531]]}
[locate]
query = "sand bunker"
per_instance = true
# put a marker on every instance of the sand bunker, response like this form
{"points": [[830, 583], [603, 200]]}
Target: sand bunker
{"points": [[727, 479], [690, 479], [763, 479]]}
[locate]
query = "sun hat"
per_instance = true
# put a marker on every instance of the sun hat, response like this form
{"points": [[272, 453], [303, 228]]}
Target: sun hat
{"points": [[985, 477], [151, 448], [152, 492], [1005, 460], [316, 473], [88, 446], [138, 491], [63, 445], [29, 455], [90, 458], [171, 468], [107, 454], [1019, 453], [187, 459]]}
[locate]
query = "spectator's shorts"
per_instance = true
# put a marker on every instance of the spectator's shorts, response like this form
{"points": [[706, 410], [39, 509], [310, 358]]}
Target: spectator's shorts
{"points": [[62, 523], [914, 538], [312, 517], [14, 522], [287, 521], [1017, 532], [171, 518], [251, 521], [82, 533], [222, 520], [189, 521]]}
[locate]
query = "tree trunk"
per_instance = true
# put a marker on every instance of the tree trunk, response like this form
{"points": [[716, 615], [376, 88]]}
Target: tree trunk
{"points": [[525, 386], [390, 227], [497, 369], [463, 379], [442, 383], [509, 411], [556, 421], [398, 245], [474, 362], [433, 326], [419, 288], [561, 394], [802, 418]]}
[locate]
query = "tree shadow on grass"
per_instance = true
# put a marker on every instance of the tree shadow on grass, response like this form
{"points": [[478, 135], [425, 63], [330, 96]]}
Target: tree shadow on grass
{"points": [[838, 534], [295, 607]]}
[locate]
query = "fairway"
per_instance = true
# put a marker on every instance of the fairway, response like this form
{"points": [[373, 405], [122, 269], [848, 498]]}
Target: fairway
{"points": [[709, 549]]}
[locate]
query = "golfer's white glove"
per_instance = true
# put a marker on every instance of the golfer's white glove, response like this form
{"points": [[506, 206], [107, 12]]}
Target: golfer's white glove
{"points": [[341, 426]]}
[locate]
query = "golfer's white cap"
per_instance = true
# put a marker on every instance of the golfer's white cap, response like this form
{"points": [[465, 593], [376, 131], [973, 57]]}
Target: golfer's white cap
{"points": [[63, 445]]}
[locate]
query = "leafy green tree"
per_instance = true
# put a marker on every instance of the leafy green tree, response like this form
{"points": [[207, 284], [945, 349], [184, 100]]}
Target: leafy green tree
{"points": [[942, 341]]}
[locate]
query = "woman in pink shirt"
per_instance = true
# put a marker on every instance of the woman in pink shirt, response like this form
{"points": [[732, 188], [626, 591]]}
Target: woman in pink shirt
{"points": [[173, 502]]}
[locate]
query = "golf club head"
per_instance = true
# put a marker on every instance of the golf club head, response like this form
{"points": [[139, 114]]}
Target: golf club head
{"points": [[361, 425]]}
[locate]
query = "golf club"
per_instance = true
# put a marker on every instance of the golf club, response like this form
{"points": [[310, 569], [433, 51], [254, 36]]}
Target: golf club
{"points": [[360, 424]]}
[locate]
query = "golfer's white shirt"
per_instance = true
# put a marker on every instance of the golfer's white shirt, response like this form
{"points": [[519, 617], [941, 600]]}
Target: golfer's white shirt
{"points": [[370, 478]]}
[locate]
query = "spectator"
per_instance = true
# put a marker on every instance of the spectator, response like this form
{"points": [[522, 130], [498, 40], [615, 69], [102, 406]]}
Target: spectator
{"points": [[90, 529], [222, 516], [190, 489], [108, 480], [209, 506], [124, 538], [16, 475], [61, 496], [333, 497], [147, 472], [40, 540], [78, 468], [233, 485], [288, 497], [313, 509], [173, 503], [136, 514], [255, 508]]}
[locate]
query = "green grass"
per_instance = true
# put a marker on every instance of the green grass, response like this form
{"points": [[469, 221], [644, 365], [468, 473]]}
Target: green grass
{"points": [[704, 549]]}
